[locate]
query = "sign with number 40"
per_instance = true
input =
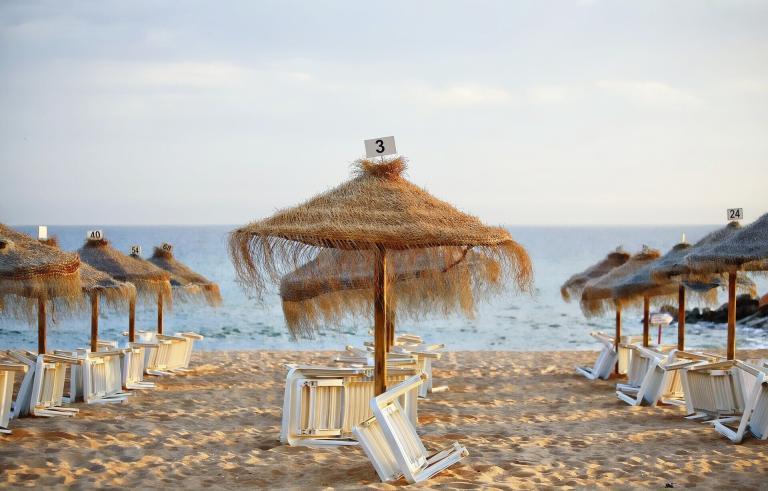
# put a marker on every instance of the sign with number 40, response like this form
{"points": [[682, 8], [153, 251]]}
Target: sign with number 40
{"points": [[735, 214], [378, 147]]}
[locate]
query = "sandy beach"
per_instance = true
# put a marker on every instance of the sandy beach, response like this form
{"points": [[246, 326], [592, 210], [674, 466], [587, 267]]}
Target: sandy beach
{"points": [[527, 419]]}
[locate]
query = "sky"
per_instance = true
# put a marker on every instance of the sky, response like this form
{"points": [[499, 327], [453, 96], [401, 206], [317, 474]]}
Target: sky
{"points": [[528, 112]]}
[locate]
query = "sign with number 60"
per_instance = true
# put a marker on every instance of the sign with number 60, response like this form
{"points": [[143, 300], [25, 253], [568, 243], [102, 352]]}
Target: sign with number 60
{"points": [[735, 214], [167, 247], [378, 147], [94, 235]]}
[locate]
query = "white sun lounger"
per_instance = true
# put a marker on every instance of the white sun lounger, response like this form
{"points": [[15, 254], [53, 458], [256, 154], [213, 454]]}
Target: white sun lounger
{"points": [[133, 364], [713, 390], [606, 359], [391, 443], [323, 404], [98, 378], [755, 416], [661, 381], [7, 374], [47, 398], [42, 389]]}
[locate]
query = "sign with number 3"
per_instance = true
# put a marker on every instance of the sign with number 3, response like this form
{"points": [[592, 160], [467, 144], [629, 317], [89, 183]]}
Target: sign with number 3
{"points": [[378, 147]]}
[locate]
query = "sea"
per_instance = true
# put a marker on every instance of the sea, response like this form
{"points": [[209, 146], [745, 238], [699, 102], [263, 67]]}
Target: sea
{"points": [[512, 322]]}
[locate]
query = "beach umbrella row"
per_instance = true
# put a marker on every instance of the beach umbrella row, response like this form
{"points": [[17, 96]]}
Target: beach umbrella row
{"points": [[34, 273], [698, 268], [151, 282], [377, 212]]}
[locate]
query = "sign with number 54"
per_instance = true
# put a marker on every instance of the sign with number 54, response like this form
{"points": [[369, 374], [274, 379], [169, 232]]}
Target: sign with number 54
{"points": [[378, 147]]}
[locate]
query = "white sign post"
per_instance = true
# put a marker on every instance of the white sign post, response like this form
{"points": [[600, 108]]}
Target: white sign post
{"points": [[42, 232], [135, 250], [379, 147], [94, 235], [735, 214]]}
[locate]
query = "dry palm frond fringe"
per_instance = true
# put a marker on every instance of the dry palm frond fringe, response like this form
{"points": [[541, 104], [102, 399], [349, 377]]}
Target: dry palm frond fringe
{"points": [[311, 302], [575, 284], [188, 285]]}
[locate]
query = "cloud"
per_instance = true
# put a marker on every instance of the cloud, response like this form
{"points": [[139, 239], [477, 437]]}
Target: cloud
{"points": [[646, 91], [465, 95]]}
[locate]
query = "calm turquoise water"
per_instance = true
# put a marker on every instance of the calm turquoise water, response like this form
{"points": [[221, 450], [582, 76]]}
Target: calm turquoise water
{"points": [[539, 322]]}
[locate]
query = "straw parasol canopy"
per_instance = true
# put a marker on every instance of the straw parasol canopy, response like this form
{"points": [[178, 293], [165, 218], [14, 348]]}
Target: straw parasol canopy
{"points": [[676, 264], [575, 284], [377, 210], [149, 280], [745, 250], [339, 283], [598, 295], [187, 284], [31, 271]]}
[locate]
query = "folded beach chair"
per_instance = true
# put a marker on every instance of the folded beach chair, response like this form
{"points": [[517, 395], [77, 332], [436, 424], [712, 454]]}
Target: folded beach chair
{"points": [[606, 359], [661, 381], [42, 394], [8, 372], [714, 390], [323, 404], [132, 365], [405, 353], [98, 378], [754, 418], [390, 441]]}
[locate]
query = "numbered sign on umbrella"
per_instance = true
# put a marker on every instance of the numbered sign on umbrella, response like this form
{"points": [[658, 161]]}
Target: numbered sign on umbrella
{"points": [[94, 235], [135, 250], [735, 214], [379, 147]]}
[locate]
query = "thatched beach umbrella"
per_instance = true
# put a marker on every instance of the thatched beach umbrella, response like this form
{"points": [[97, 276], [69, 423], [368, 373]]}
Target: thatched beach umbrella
{"points": [[674, 266], [598, 295], [337, 283], [149, 280], [576, 283], [186, 283], [376, 211], [33, 272], [96, 284], [745, 250], [643, 286]]}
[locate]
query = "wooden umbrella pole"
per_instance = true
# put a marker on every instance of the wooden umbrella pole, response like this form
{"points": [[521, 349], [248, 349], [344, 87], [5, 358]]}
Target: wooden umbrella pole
{"points": [[618, 335], [132, 320], [731, 316], [159, 313], [94, 322], [646, 321], [41, 320], [380, 320], [390, 326], [681, 318]]}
